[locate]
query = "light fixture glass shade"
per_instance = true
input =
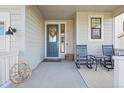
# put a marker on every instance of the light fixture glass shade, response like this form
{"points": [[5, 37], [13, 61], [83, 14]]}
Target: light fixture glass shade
{"points": [[9, 32]]}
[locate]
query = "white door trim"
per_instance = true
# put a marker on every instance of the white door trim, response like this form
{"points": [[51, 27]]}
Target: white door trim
{"points": [[54, 22]]}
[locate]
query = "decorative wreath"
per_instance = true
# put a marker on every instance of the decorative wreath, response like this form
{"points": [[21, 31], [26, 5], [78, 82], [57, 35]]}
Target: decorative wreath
{"points": [[52, 31], [20, 72]]}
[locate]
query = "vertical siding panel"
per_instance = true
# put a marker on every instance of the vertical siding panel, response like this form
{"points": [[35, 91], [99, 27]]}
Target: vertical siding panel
{"points": [[0, 71], [7, 68], [34, 36], [3, 70], [17, 20], [7, 60], [70, 37]]}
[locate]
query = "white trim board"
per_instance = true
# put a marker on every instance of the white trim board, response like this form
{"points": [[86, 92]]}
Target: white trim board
{"points": [[55, 22]]}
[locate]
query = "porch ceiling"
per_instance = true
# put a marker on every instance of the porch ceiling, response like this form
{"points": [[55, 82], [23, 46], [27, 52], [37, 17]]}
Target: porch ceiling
{"points": [[66, 12]]}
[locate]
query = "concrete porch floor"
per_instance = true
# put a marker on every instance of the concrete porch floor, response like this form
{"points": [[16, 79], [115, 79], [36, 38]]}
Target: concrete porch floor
{"points": [[54, 75], [102, 78]]}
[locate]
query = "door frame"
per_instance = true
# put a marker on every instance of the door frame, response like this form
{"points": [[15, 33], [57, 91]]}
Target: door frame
{"points": [[59, 29]]}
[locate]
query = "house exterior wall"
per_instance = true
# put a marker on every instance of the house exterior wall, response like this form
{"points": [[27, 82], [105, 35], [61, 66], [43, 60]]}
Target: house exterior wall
{"points": [[119, 31], [70, 37], [29, 38], [75, 35], [8, 58], [17, 14], [82, 25], [34, 36], [118, 27]]}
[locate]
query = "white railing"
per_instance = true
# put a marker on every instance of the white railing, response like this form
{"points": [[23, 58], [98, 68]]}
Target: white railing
{"points": [[118, 71], [7, 60], [119, 52]]}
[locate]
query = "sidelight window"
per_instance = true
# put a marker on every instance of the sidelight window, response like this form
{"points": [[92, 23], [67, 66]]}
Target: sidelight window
{"points": [[62, 38]]}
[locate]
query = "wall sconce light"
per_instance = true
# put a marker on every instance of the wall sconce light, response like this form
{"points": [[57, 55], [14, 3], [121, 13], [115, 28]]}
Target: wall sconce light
{"points": [[10, 31]]}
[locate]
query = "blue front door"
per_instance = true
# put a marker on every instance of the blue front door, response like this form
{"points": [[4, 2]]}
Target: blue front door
{"points": [[52, 40]]}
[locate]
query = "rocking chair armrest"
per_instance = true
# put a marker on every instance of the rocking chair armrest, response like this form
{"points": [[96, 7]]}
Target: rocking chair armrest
{"points": [[91, 57], [108, 58]]}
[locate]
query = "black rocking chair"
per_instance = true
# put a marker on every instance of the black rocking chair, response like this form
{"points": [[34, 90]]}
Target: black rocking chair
{"points": [[108, 52], [81, 56]]}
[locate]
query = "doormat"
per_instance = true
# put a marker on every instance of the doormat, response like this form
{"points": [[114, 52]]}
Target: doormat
{"points": [[52, 60]]}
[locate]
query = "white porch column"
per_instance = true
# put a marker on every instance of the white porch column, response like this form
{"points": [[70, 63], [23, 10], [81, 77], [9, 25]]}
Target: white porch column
{"points": [[119, 71]]}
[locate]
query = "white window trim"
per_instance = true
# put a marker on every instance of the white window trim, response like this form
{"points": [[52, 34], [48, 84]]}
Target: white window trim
{"points": [[102, 29]]}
